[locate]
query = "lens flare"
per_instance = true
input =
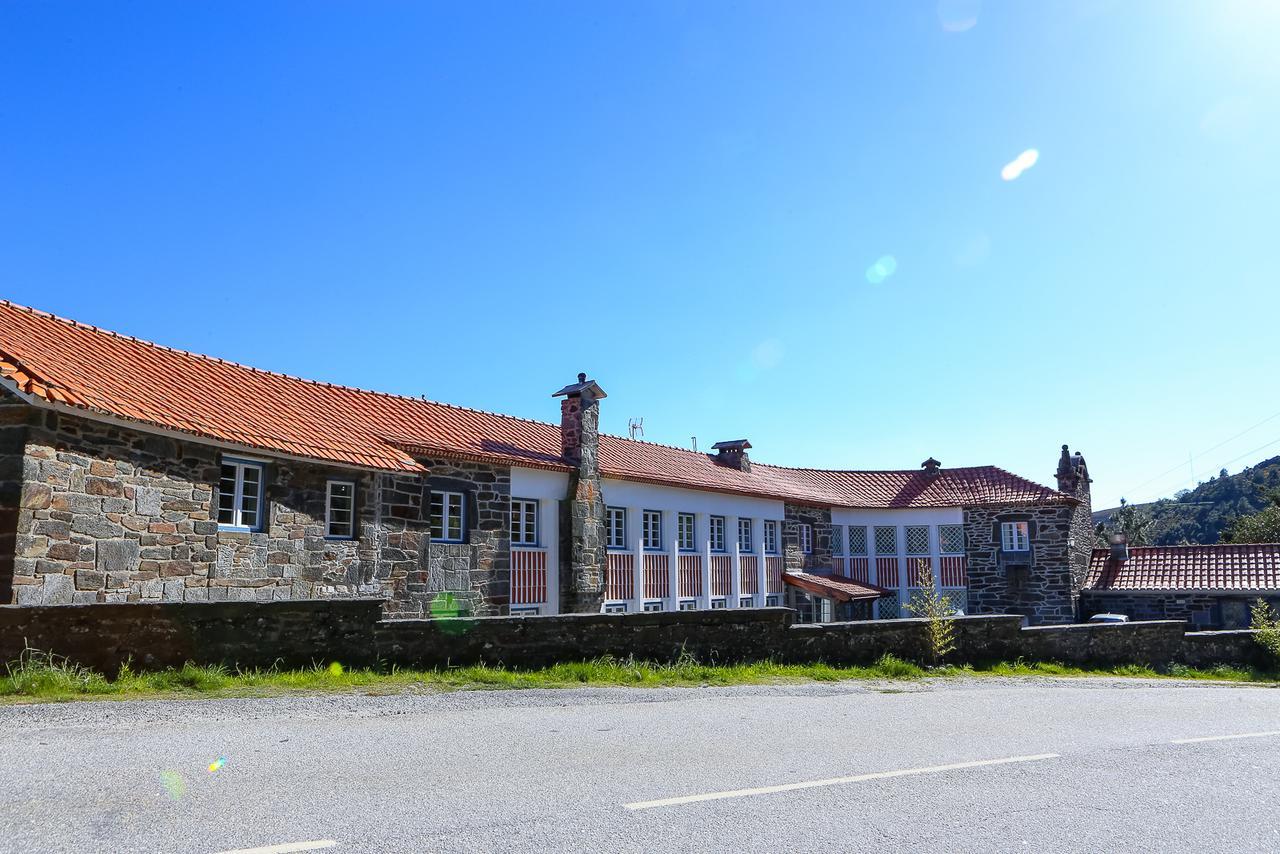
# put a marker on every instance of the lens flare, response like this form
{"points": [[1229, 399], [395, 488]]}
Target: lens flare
{"points": [[1020, 164], [958, 16], [217, 763], [882, 269], [335, 669], [173, 784]]}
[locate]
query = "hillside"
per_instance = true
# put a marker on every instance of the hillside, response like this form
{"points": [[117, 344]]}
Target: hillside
{"points": [[1199, 515]]}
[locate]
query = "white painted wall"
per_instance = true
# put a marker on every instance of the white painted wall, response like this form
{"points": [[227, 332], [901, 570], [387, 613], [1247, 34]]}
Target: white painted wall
{"points": [[547, 488]]}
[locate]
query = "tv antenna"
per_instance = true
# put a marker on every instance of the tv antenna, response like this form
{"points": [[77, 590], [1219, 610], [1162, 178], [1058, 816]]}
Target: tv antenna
{"points": [[635, 427]]}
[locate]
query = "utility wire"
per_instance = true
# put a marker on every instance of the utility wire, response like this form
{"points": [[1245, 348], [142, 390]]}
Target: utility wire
{"points": [[1230, 461]]}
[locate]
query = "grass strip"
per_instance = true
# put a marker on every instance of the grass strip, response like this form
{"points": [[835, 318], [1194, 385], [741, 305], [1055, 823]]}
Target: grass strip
{"points": [[51, 678]]}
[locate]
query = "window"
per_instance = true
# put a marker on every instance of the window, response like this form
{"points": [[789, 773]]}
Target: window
{"points": [[240, 495], [718, 604], [771, 538], [524, 522], [917, 539], [746, 601], [837, 539], [886, 540], [615, 522], [806, 538], [446, 517], [717, 534], [857, 540], [685, 535], [772, 601], [653, 606], [951, 539], [652, 523], [688, 604], [525, 610], [1015, 537], [744, 535], [615, 608], [339, 509]]}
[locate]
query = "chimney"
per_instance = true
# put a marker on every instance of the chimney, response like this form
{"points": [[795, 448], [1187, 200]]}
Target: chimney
{"points": [[733, 454], [1072, 473], [931, 467], [580, 421]]}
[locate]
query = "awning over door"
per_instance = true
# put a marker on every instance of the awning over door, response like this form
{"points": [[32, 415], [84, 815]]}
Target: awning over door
{"points": [[838, 587]]}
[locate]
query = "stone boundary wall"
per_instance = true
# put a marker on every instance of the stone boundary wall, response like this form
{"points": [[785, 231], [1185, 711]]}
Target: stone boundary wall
{"points": [[353, 632]]}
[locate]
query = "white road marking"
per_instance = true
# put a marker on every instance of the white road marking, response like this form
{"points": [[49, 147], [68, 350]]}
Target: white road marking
{"points": [[285, 847], [1225, 737], [834, 781]]}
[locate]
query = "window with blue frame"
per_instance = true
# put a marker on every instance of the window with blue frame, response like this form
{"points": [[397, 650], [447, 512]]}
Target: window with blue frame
{"points": [[240, 495]]}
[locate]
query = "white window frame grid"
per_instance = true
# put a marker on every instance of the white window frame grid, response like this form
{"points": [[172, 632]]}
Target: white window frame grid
{"points": [[859, 533], [770, 537], [237, 495], [716, 533], [447, 501], [1015, 536], [894, 531], [651, 529], [615, 522], [524, 519], [686, 532], [744, 535], [916, 550], [947, 532], [837, 539], [806, 538], [350, 510]]}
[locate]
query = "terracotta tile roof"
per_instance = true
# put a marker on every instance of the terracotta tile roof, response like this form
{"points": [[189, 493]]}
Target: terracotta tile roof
{"points": [[838, 587], [1217, 567], [123, 377]]}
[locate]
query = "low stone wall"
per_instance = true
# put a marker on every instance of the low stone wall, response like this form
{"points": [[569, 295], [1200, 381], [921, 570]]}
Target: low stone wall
{"points": [[296, 634]]}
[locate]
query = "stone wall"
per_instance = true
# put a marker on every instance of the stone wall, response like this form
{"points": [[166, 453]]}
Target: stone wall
{"points": [[476, 572], [110, 514], [1040, 585], [795, 560], [13, 442], [295, 634], [1202, 610]]}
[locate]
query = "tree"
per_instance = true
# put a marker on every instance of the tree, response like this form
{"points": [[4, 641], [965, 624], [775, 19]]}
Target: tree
{"points": [[928, 603], [1260, 527], [1129, 520]]}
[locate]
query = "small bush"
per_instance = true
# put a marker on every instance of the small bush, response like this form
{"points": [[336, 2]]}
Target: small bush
{"points": [[1268, 628]]}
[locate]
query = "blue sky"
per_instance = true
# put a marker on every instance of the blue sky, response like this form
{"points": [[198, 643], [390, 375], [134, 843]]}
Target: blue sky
{"points": [[476, 201]]}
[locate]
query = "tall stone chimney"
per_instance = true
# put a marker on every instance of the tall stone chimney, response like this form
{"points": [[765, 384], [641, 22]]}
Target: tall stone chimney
{"points": [[1073, 479], [931, 467], [582, 547], [733, 454]]}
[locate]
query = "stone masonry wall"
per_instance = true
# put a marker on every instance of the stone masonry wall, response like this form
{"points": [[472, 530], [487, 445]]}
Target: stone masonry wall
{"points": [[1201, 610], [795, 560], [110, 514], [13, 441], [1046, 591]]}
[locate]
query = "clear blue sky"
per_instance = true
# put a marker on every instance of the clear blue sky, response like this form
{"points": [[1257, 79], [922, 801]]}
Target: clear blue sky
{"points": [[476, 201]]}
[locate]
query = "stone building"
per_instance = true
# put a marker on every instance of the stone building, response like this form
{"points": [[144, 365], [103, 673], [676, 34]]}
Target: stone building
{"points": [[1212, 587], [135, 472]]}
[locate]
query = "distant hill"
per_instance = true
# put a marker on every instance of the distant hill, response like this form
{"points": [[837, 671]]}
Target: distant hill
{"points": [[1199, 515]]}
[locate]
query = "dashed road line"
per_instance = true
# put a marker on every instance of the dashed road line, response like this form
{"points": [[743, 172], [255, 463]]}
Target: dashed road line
{"points": [[1225, 737], [834, 781]]}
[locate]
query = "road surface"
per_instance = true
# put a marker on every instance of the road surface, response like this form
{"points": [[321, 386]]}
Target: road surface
{"points": [[956, 765]]}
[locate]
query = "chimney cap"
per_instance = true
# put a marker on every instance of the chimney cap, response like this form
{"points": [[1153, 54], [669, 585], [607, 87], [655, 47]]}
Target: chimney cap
{"points": [[582, 385], [731, 445], [931, 464]]}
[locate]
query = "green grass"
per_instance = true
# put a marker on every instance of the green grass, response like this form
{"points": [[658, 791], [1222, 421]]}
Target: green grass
{"points": [[41, 676]]}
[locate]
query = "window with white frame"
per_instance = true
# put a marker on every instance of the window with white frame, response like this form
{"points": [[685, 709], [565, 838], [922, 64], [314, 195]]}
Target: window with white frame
{"points": [[717, 533], [339, 509], [717, 604], [771, 538], [917, 539], [240, 494], [886, 540], [685, 536], [447, 516], [806, 538], [744, 535], [1015, 536], [615, 607], [746, 602], [651, 522], [837, 539], [951, 539], [615, 524], [688, 604], [653, 606], [524, 522], [772, 601], [857, 540]]}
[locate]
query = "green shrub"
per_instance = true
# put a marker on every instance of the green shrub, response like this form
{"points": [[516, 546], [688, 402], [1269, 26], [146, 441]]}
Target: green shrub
{"points": [[1268, 628]]}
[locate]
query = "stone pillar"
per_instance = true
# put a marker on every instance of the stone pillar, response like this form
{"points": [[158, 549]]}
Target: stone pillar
{"points": [[582, 552]]}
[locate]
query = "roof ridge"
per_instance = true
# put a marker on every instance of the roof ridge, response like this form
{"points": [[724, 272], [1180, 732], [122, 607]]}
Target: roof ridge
{"points": [[206, 357], [1198, 546]]}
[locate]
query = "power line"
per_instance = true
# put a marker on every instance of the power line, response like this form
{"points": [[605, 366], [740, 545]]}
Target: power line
{"points": [[1232, 460], [1209, 450]]}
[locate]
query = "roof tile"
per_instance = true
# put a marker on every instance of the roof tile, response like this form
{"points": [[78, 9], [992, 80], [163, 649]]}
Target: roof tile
{"points": [[1214, 567]]}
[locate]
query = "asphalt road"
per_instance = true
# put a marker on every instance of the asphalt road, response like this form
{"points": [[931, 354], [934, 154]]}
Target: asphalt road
{"points": [[1084, 765]]}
